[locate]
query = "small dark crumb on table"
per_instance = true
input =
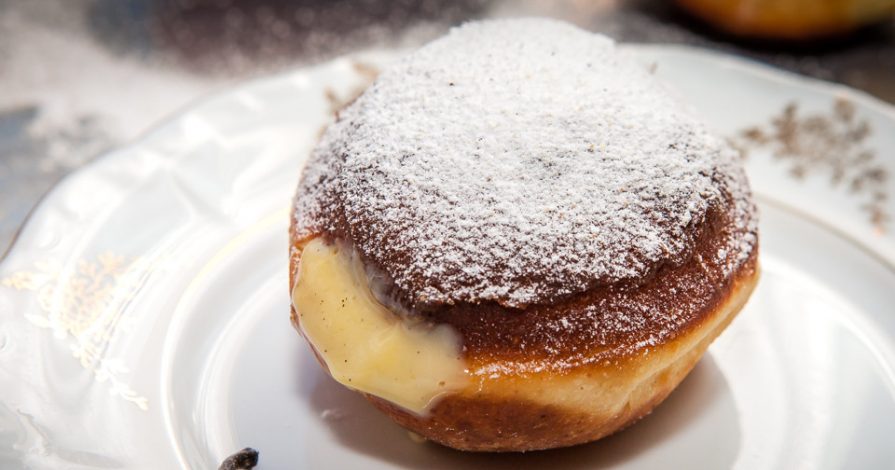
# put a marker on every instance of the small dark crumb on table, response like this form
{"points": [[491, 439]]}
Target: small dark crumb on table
{"points": [[246, 459]]}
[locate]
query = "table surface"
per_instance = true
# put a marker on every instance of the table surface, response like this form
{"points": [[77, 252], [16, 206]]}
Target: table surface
{"points": [[80, 77]]}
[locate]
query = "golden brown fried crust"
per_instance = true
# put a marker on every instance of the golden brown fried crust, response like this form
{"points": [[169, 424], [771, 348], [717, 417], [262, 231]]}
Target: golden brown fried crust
{"points": [[515, 415], [491, 420]]}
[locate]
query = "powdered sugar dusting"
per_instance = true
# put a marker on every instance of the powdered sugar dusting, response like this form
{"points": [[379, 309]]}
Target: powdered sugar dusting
{"points": [[520, 161]]}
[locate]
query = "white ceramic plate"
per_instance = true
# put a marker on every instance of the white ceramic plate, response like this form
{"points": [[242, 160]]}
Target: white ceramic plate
{"points": [[144, 307]]}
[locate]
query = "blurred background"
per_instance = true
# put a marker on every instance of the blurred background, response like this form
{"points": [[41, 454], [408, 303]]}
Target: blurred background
{"points": [[80, 77]]}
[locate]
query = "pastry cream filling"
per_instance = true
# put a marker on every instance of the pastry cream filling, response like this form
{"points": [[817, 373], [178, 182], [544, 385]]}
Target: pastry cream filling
{"points": [[366, 346]]}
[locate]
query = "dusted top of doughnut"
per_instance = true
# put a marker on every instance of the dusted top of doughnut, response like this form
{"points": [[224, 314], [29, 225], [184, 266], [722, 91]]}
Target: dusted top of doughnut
{"points": [[519, 162]]}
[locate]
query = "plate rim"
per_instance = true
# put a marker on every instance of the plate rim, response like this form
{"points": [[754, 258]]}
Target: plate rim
{"points": [[195, 107]]}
